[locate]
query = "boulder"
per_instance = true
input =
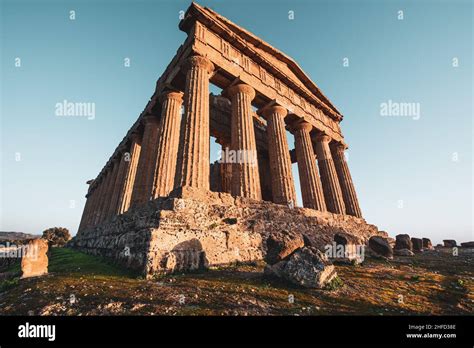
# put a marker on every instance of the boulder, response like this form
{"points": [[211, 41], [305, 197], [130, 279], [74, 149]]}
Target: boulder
{"points": [[307, 267], [403, 252], [449, 243], [35, 261], [417, 244], [280, 245], [403, 242], [381, 247], [346, 249], [427, 244], [467, 245]]}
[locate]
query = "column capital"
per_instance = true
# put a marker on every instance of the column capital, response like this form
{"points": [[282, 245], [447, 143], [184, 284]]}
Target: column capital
{"points": [[339, 147], [199, 61], [274, 109], [241, 88], [175, 95], [303, 126], [149, 118], [323, 138]]}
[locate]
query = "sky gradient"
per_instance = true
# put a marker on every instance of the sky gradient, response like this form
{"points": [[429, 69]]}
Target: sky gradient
{"points": [[412, 175]]}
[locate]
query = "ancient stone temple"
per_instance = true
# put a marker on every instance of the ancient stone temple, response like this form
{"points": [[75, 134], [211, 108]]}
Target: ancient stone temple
{"points": [[160, 205]]}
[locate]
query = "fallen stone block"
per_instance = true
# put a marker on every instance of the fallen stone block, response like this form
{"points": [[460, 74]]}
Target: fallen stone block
{"points": [[427, 244], [280, 245], [35, 261], [381, 247], [403, 241], [467, 245], [450, 243], [307, 267], [417, 244]]}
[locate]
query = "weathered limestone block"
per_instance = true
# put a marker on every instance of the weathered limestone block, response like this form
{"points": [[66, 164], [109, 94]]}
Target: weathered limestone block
{"points": [[427, 244], [417, 244], [281, 245], [35, 262], [467, 244], [381, 247], [307, 267], [403, 241], [449, 243]]}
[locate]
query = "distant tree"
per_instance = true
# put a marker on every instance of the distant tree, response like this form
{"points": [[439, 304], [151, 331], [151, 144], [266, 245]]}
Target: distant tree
{"points": [[57, 236]]}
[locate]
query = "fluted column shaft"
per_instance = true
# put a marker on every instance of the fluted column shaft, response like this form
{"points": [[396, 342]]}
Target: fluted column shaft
{"points": [[131, 158], [168, 142], [143, 187], [226, 170], [96, 202], [112, 176], [245, 176], [118, 185], [103, 191], [332, 190], [310, 182], [283, 187], [85, 212], [193, 154], [345, 181]]}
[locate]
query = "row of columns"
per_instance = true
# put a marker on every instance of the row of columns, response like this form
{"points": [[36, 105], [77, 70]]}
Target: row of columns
{"points": [[157, 162]]}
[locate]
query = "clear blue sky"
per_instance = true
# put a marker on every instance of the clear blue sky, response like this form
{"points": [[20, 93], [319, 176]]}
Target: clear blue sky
{"points": [[391, 158]]}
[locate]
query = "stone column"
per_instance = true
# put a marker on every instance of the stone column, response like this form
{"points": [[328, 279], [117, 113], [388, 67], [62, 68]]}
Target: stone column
{"points": [[345, 181], [310, 182], [132, 158], [111, 177], [168, 142], [85, 212], [143, 187], [103, 189], [123, 164], [245, 175], [193, 154], [225, 170], [283, 187], [331, 188], [95, 202]]}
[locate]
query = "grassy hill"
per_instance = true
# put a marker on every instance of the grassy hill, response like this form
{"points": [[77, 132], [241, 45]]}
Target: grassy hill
{"points": [[80, 284]]}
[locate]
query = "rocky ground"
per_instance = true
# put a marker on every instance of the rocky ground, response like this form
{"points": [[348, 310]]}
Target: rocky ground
{"points": [[433, 282]]}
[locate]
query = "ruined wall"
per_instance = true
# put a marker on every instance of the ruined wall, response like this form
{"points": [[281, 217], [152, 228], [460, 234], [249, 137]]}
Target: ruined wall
{"points": [[177, 234]]}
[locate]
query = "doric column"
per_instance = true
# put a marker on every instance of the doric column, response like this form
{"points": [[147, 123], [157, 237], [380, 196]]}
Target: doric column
{"points": [[143, 187], [111, 177], [123, 163], [345, 180], [193, 154], [331, 188], [103, 191], [93, 199], [86, 211], [283, 187], [225, 169], [131, 158], [310, 183], [245, 176], [95, 202], [168, 141]]}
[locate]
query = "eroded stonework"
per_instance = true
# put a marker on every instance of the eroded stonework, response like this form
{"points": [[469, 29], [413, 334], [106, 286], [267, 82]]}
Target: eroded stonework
{"points": [[182, 234]]}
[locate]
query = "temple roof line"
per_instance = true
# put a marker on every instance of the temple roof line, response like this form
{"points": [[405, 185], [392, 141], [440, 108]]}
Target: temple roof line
{"points": [[266, 47]]}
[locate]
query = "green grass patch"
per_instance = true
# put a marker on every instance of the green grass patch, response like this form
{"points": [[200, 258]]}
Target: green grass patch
{"points": [[65, 260]]}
